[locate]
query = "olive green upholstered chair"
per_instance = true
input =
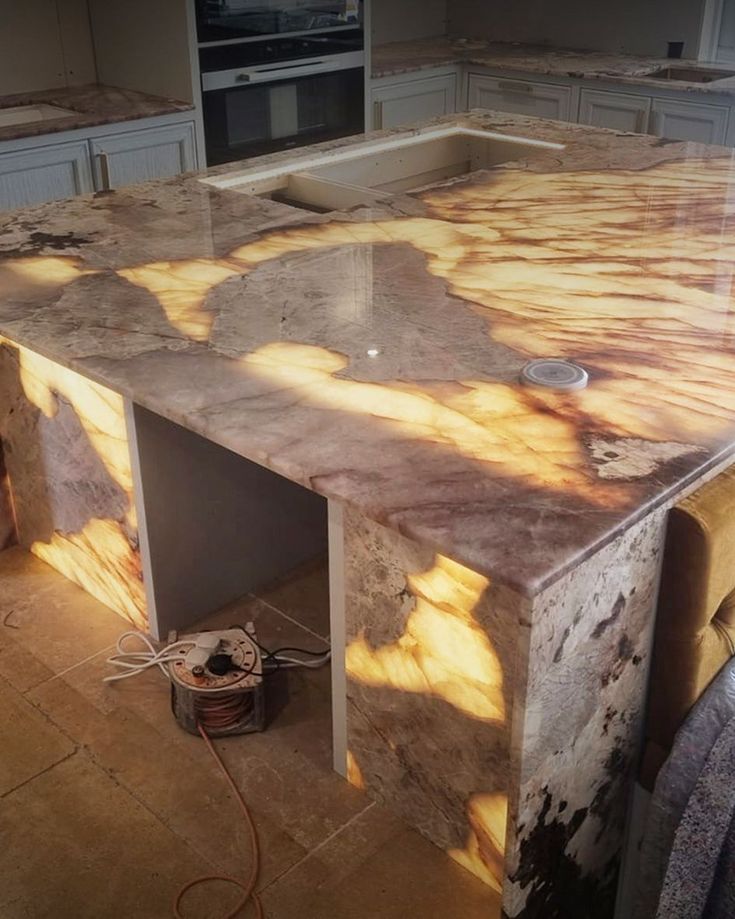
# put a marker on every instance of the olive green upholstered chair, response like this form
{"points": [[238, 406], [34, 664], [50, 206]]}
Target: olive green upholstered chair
{"points": [[695, 626]]}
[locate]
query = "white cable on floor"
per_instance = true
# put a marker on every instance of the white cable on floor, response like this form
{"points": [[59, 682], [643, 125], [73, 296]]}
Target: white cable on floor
{"points": [[286, 663], [134, 662]]}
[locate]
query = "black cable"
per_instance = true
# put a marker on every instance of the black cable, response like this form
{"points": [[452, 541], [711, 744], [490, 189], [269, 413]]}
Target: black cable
{"points": [[274, 654]]}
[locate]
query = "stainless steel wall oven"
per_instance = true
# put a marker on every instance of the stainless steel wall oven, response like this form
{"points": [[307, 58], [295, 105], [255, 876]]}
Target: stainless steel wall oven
{"points": [[279, 74]]}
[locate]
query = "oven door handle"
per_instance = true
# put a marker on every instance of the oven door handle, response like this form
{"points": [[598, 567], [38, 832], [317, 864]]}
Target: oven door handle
{"points": [[232, 78], [271, 74]]}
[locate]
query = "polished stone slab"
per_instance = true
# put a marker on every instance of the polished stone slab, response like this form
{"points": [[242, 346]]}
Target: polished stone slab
{"points": [[373, 355], [91, 105], [68, 460], [411, 56]]}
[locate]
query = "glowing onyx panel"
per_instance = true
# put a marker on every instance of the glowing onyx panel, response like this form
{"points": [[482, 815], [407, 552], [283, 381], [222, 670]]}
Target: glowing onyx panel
{"points": [[430, 653], [68, 464]]}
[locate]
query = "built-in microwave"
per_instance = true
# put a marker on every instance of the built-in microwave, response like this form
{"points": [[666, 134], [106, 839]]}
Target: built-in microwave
{"points": [[233, 20]]}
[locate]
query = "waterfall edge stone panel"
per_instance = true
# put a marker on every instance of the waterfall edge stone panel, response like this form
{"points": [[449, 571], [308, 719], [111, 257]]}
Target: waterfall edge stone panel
{"points": [[430, 657], [66, 452]]}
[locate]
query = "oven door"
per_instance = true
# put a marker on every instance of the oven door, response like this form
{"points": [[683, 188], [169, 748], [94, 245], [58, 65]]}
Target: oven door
{"points": [[249, 112]]}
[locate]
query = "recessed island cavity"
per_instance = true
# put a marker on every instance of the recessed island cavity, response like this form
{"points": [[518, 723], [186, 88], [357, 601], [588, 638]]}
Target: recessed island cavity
{"points": [[201, 378]]}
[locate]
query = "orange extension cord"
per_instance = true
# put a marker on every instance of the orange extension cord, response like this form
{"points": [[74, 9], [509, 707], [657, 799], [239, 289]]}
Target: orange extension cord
{"points": [[248, 888]]}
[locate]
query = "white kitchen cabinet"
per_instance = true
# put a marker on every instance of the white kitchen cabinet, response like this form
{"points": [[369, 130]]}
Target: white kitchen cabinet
{"points": [[399, 102], [44, 173], [139, 155], [620, 111], [704, 123], [523, 97]]}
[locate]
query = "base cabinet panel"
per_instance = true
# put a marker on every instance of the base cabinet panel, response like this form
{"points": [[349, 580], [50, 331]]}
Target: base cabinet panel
{"points": [[411, 101], [522, 97], [139, 156], [704, 124], [40, 174], [619, 111]]}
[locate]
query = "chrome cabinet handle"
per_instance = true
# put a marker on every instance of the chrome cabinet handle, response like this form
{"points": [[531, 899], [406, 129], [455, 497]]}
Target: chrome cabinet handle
{"points": [[515, 87], [377, 115], [104, 162]]}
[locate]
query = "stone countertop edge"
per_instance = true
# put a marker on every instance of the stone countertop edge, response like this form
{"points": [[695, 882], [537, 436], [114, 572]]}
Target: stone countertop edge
{"points": [[397, 58], [94, 104]]}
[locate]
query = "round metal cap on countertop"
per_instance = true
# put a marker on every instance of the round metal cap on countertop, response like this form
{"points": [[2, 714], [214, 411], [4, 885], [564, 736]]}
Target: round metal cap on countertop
{"points": [[554, 373]]}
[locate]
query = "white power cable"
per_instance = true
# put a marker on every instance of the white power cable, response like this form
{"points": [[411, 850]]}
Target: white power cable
{"points": [[134, 662], [284, 662]]}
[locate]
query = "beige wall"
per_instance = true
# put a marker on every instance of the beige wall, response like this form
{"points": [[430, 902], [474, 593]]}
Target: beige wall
{"points": [[397, 20], [143, 45], [44, 44], [635, 26]]}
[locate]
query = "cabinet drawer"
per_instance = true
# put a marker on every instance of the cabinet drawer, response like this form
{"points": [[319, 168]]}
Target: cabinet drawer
{"points": [[620, 111], [410, 101], [703, 123], [138, 156], [44, 174], [523, 97]]}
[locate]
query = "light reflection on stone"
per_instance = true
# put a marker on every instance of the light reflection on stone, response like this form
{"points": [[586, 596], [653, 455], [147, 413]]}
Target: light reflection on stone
{"points": [[443, 651], [614, 270], [102, 558], [181, 288], [483, 855]]}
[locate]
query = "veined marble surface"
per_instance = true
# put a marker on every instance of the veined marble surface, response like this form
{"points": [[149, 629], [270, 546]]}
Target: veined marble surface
{"points": [[425, 53], [373, 356], [92, 105]]}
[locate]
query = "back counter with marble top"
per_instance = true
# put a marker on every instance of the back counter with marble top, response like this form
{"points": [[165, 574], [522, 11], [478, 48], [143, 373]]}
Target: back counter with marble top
{"points": [[84, 107], [494, 549], [427, 53]]}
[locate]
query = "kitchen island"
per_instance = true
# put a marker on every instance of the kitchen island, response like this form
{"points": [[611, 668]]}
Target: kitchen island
{"points": [[190, 372]]}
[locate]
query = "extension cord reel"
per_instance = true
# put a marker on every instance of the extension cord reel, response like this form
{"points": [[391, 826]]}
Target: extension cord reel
{"points": [[218, 682]]}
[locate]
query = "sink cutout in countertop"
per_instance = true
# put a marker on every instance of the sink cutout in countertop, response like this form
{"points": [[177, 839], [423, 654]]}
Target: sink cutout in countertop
{"points": [[27, 114], [367, 173], [691, 74]]}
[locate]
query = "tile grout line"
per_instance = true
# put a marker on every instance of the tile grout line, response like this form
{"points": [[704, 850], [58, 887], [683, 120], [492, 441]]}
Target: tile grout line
{"points": [[290, 619], [61, 673], [317, 848], [131, 790], [48, 768]]}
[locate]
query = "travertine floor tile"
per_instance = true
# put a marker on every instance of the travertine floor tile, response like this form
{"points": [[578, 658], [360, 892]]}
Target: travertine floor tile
{"points": [[51, 623], [284, 773], [327, 852], [130, 732], [75, 844], [377, 867], [304, 596], [29, 743]]}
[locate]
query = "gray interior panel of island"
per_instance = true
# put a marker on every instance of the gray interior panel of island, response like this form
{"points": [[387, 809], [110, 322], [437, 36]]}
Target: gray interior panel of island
{"points": [[215, 525]]}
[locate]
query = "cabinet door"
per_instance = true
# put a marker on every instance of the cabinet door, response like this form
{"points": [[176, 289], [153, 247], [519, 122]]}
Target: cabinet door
{"points": [[410, 101], [523, 97], [706, 124], [137, 156], [621, 111], [41, 174]]}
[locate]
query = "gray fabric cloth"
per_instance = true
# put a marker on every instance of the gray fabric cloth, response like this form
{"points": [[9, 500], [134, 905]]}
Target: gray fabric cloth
{"points": [[691, 816], [697, 884]]}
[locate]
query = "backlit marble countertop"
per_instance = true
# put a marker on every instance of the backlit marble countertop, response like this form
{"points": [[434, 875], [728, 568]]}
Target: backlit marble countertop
{"points": [[373, 356], [93, 105], [422, 54]]}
